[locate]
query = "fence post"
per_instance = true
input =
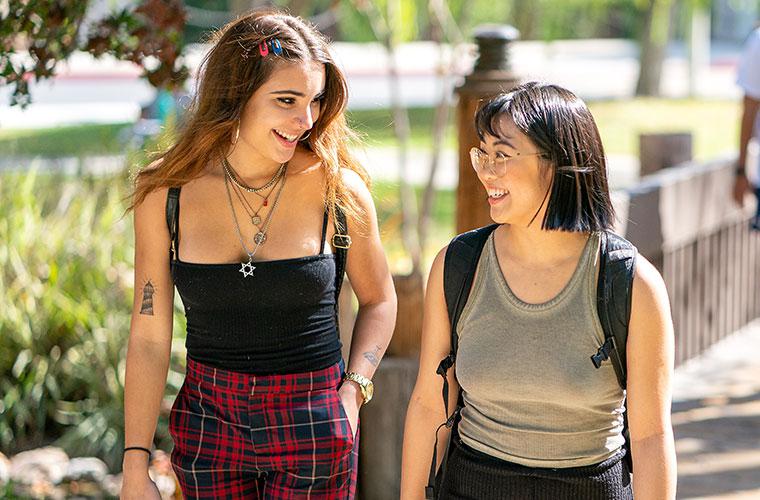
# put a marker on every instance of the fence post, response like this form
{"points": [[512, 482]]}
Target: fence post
{"points": [[492, 74]]}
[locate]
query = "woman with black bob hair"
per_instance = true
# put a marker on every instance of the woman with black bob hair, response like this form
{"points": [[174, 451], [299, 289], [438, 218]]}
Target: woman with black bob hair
{"points": [[538, 419]]}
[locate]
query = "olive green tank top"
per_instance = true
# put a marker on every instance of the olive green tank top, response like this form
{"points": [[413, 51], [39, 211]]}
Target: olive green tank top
{"points": [[531, 394]]}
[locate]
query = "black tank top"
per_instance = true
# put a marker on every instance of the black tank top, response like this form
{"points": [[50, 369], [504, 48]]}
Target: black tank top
{"points": [[283, 319]]}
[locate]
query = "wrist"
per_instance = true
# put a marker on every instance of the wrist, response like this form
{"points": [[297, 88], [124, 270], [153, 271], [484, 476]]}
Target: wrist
{"points": [[352, 389], [135, 461], [740, 170]]}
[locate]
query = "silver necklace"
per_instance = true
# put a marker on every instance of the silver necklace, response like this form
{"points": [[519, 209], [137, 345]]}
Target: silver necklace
{"points": [[230, 172], [247, 268]]}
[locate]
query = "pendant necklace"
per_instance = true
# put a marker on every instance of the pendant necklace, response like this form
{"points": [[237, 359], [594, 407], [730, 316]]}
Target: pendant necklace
{"points": [[253, 214], [247, 268], [234, 178]]}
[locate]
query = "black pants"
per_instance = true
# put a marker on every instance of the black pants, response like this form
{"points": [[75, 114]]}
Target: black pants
{"points": [[473, 475]]}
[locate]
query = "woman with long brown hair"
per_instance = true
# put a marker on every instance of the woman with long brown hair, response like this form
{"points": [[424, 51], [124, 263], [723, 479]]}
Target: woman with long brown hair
{"points": [[271, 200]]}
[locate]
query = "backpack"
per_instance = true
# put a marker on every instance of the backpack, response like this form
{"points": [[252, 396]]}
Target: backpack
{"points": [[613, 304]]}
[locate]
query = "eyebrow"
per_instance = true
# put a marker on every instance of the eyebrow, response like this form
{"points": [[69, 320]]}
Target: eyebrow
{"points": [[295, 93], [505, 142]]}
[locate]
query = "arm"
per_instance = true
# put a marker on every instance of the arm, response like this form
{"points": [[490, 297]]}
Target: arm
{"points": [[426, 411], [149, 345], [750, 107], [371, 280], [650, 369]]}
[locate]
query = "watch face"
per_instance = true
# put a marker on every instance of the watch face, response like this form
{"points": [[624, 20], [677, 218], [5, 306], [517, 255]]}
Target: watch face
{"points": [[370, 390]]}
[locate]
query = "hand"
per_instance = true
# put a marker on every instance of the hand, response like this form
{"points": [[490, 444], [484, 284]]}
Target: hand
{"points": [[139, 487], [351, 398], [741, 188]]}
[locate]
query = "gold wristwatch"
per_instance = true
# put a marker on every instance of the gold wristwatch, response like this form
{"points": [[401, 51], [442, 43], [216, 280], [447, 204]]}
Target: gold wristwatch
{"points": [[365, 385]]}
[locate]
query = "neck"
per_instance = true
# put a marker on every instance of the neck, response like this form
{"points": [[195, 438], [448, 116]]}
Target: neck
{"points": [[249, 165], [536, 247]]}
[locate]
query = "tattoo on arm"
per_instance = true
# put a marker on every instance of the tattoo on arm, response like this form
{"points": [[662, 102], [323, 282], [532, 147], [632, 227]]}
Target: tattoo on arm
{"points": [[147, 299], [372, 356]]}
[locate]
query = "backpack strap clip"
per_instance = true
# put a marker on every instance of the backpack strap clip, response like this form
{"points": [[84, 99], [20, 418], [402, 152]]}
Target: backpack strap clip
{"points": [[445, 364], [603, 354]]}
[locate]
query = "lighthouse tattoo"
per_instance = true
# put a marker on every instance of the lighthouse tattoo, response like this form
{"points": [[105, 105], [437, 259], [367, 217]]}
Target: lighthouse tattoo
{"points": [[147, 299]]}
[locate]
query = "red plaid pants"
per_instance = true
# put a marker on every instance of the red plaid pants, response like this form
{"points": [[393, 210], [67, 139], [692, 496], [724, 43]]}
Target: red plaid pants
{"points": [[272, 437]]}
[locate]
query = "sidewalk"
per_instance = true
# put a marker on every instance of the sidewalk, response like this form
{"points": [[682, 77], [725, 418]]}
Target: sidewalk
{"points": [[716, 420]]}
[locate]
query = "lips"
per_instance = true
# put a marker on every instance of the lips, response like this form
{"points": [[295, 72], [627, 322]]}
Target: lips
{"points": [[284, 140], [286, 136]]}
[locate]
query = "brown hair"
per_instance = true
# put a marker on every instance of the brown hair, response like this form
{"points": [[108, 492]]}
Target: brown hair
{"points": [[230, 73]]}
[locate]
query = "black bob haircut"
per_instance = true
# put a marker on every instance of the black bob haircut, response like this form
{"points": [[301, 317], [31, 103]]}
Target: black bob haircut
{"points": [[565, 133]]}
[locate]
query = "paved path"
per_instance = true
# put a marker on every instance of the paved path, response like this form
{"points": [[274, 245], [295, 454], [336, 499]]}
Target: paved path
{"points": [[716, 419]]}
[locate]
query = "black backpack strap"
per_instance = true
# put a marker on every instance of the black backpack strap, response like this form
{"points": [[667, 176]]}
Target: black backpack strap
{"points": [[460, 264], [341, 242], [172, 220], [614, 294]]}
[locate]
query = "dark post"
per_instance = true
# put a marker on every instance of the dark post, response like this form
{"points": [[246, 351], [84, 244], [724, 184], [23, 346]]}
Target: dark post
{"points": [[492, 74], [663, 150]]}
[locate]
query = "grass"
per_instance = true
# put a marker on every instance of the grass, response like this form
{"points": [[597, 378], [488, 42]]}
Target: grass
{"points": [[714, 124], [80, 140]]}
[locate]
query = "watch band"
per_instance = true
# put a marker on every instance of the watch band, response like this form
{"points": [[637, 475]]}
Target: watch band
{"points": [[365, 385]]}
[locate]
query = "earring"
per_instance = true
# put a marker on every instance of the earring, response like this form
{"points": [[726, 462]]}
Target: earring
{"points": [[306, 136], [237, 133]]}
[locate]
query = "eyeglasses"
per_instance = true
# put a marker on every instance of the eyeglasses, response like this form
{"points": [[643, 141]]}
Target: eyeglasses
{"points": [[497, 166]]}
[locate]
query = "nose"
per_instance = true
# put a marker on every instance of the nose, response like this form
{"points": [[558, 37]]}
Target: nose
{"points": [[305, 118]]}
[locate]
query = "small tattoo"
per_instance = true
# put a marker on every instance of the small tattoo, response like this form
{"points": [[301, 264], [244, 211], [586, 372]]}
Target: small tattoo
{"points": [[372, 357], [147, 300]]}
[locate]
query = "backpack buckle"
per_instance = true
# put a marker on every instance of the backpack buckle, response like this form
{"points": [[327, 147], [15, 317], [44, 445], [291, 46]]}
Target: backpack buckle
{"points": [[603, 354], [341, 241]]}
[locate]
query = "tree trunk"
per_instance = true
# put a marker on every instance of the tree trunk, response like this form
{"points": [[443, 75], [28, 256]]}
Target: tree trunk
{"points": [[654, 41]]}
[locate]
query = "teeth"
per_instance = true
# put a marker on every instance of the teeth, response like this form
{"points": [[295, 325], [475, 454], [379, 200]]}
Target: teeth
{"points": [[289, 137], [496, 193]]}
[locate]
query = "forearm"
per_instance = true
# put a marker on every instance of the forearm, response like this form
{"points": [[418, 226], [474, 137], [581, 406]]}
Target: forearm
{"points": [[654, 465], [147, 366], [749, 112], [372, 334], [419, 438]]}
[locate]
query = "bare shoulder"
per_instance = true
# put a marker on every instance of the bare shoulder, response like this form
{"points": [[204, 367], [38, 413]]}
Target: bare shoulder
{"points": [[354, 182], [648, 286], [153, 206]]}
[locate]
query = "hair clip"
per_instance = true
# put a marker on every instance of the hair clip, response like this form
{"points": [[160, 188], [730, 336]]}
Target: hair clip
{"points": [[263, 49], [276, 46]]}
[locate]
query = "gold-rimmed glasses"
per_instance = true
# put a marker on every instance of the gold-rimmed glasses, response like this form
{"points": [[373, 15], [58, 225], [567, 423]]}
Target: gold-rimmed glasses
{"points": [[497, 165]]}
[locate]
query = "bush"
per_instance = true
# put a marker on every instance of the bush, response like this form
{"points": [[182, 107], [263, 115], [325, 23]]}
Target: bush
{"points": [[66, 271]]}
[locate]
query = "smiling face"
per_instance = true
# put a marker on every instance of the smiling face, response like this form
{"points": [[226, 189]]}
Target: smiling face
{"points": [[281, 111], [516, 196]]}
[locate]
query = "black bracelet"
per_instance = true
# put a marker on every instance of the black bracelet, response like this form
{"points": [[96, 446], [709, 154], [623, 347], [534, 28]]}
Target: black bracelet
{"points": [[146, 450]]}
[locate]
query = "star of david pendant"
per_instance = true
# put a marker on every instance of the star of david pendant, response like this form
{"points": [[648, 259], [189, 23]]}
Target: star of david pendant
{"points": [[256, 220], [247, 268], [260, 238]]}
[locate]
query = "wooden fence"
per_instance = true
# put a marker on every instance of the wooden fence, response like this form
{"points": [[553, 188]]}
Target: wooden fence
{"points": [[684, 221]]}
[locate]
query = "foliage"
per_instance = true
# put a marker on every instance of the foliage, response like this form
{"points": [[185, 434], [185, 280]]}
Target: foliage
{"points": [[65, 290], [36, 34]]}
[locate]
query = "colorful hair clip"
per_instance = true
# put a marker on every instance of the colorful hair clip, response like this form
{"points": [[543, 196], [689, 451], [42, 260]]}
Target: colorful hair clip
{"points": [[276, 46], [263, 49]]}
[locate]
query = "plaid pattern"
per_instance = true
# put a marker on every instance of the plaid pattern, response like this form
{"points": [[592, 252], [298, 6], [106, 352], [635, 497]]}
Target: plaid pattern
{"points": [[238, 435]]}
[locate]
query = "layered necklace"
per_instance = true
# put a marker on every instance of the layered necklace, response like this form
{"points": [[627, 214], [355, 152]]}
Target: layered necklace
{"points": [[247, 268]]}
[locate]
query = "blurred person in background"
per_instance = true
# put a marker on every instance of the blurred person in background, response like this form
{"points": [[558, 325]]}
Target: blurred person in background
{"points": [[256, 242], [749, 81]]}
